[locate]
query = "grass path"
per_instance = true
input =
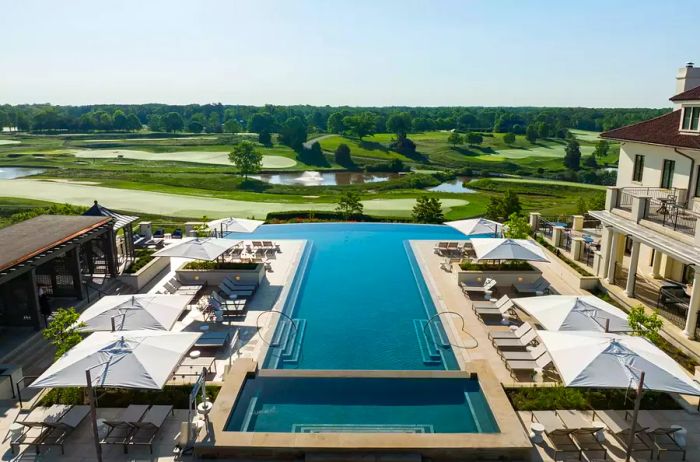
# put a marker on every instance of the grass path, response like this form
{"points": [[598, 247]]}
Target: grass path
{"points": [[186, 206]]}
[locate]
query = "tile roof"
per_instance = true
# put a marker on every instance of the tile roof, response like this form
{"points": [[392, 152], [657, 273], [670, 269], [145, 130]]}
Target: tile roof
{"points": [[120, 220], [688, 95], [26, 239], [661, 130]]}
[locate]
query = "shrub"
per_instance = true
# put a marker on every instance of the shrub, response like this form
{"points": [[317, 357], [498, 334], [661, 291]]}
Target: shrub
{"points": [[551, 398], [503, 266], [219, 265], [143, 257]]}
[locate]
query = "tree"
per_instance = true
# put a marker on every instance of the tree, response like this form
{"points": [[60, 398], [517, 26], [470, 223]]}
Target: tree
{"points": [[265, 138], [349, 204], [572, 158], [474, 138], [293, 132], [531, 133], [581, 206], [172, 122], [133, 123], [455, 138], [195, 127], [360, 125], [400, 123], [428, 210], [62, 332], [517, 227], [260, 122], [342, 155], [232, 126], [119, 120], [509, 138], [500, 208], [589, 161], [335, 123], [313, 155], [246, 158], [645, 325], [601, 149]]}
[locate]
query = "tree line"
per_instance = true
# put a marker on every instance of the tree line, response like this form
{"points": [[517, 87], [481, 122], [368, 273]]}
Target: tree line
{"points": [[293, 121]]}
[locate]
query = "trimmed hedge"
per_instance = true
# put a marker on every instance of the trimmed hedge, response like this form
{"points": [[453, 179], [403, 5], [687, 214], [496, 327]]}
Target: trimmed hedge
{"points": [[551, 398], [217, 265], [310, 216], [504, 266], [143, 257], [175, 395]]}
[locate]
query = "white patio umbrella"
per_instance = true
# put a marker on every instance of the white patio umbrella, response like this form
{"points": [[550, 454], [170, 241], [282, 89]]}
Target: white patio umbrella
{"points": [[235, 225], [209, 248], [574, 313], [507, 249], [606, 360], [475, 226], [129, 359], [134, 312]]}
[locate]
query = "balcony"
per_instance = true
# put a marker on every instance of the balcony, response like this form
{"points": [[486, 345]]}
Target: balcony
{"points": [[664, 207]]}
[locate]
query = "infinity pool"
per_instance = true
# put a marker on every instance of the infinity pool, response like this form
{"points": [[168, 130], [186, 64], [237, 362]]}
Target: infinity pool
{"points": [[362, 302], [406, 405]]}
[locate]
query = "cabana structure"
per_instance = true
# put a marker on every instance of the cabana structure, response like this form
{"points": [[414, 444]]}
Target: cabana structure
{"points": [[124, 244], [51, 254]]}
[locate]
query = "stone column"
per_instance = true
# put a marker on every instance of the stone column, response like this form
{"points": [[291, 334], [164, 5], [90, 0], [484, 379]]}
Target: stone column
{"points": [[611, 197], [692, 319], [639, 208], [612, 256], [577, 224], [632, 274], [146, 230], [557, 233], [656, 265], [577, 246], [535, 221]]}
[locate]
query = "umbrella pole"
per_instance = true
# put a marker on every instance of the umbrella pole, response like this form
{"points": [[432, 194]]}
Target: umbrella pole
{"points": [[93, 415], [635, 415]]}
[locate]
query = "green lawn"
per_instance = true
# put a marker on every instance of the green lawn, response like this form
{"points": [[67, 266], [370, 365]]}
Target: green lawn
{"points": [[362, 149]]}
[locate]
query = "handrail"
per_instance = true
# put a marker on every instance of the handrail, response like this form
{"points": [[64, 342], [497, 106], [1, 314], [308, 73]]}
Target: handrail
{"points": [[19, 391]]}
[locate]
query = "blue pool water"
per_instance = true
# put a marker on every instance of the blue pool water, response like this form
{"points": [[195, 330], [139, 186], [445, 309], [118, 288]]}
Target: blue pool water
{"points": [[311, 405], [362, 302]]}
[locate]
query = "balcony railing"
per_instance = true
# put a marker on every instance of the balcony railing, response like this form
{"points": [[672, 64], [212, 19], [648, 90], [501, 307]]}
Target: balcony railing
{"points": [[678, 195], [670, 215]]}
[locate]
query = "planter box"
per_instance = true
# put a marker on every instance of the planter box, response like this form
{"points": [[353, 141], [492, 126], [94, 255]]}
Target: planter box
{"points": [[503, 278], [215, 276], [570, 275], [142, 277]]}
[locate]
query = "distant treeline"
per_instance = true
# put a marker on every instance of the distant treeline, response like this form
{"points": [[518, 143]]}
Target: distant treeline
{"points": [[218, 118]]}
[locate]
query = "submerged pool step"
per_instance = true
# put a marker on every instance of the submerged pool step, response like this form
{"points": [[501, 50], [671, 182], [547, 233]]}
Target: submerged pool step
{"points": [[292, 350], [360, 428], [426, 341]]}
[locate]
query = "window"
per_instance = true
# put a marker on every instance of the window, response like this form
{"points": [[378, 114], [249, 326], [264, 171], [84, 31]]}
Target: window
{"points": [[691, 117], [667, 173], [638, 168]]}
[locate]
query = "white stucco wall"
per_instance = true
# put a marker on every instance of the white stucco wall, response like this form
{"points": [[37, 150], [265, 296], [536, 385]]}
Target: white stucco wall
{"points": [[654, 157]]}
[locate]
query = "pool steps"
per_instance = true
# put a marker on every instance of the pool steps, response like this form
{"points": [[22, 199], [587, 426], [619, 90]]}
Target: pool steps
{"points": [[430, 349], [288, 340]]}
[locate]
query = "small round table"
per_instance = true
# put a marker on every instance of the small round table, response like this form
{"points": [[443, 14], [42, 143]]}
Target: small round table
{"points": [[194, 354], [600, 432], [15, 430], [680, 435], [536, 431]]}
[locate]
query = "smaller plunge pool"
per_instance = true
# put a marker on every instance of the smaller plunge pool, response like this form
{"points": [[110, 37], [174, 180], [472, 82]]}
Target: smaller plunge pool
{"points": [[361, 404]]}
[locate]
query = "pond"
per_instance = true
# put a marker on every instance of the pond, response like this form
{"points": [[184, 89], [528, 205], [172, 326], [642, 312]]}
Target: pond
{"points": [[453, 186], [311, 178], [10, 173]]}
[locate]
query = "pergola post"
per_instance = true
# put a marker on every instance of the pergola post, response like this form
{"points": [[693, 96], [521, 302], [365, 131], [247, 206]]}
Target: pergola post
{"points": [[33, 299], [632, 274], [73, 260], [612, 256], [111, 252], [691, 319]]}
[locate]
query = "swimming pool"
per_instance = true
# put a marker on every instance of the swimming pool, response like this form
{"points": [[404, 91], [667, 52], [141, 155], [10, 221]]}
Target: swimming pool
{"points": [[362, 302], [350, 405]]}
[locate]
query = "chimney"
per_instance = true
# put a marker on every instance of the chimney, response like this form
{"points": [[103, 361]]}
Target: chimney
{"points": [[688, 77]]}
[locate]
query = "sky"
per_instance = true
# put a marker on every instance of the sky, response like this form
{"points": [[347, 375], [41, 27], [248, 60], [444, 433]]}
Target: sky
{"points": [[613, 53]]}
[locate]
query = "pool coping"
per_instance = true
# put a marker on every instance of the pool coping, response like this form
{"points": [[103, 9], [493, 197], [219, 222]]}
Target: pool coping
{"points": [[511, 440]]}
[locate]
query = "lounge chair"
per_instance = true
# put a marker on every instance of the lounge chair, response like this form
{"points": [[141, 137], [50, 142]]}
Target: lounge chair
{"points": [[557, 433], [468, 287], [147, 428], [620, 429], [663, 439], [237, 286], [159, 234], [177, 234], [530, 355], [585, 434], [512, 333], [520, 365], [271, 246], [256, 244], [500, 308], [539, 287], [519, 343], [440, 248], [62, 429], [34, 426], [221, 303], [234, 294], [121, 428]]}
